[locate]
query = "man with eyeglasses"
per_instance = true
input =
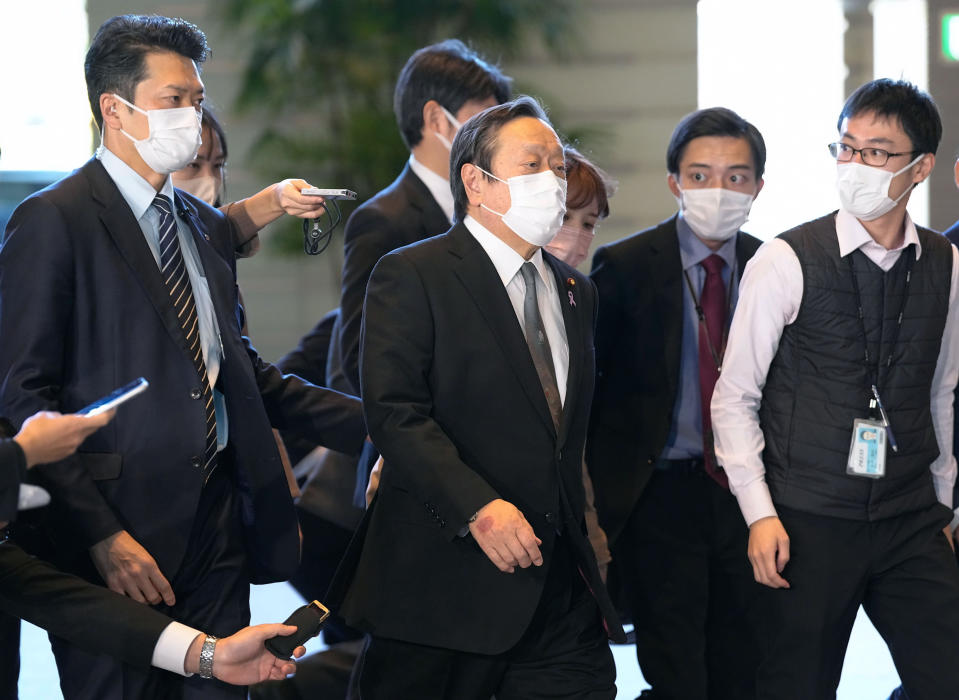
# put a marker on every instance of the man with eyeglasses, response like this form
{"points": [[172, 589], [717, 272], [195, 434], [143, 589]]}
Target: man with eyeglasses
{"points": [[833, 416]]}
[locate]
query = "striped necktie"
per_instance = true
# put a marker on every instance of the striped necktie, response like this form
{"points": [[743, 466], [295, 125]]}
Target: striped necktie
{"points": [[177, 281]]}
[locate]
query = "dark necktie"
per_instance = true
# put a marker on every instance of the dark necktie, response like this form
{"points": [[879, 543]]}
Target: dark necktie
{"points": [[539, 344], [177, 281], [711, 327]]}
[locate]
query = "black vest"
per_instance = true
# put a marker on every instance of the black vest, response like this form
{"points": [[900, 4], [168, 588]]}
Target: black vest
{"points": [[819, 382]]}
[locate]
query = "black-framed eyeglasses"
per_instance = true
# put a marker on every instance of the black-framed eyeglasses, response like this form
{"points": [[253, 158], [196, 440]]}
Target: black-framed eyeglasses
{"points": [[877, 157]]}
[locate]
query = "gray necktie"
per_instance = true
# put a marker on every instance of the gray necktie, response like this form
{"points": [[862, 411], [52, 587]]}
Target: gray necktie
{"points": [[539, 344]]}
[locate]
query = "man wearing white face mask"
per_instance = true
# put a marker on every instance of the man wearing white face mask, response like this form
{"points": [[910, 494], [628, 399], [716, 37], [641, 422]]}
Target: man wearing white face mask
{"points": [[477, 377], [666, 297], [833, 416], [112, 273]]}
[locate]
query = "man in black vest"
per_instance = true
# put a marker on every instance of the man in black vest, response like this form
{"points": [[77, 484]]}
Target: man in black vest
{"points": [[833, 416], [677, 535]]}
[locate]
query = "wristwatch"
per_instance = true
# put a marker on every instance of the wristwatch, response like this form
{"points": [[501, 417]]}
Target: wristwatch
{"points": [[206, 656]]}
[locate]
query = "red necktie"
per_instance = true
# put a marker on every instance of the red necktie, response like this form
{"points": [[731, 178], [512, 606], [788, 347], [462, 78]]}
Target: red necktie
{"points": [[713, 305]]}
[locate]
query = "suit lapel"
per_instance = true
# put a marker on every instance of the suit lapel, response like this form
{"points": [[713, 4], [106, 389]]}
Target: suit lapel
{"points": [[128, 238], [572, 320], [477, 273], [666, 271]]}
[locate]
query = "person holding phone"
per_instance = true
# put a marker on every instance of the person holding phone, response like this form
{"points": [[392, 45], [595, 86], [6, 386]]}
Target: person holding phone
{"points": [[91, 616]]}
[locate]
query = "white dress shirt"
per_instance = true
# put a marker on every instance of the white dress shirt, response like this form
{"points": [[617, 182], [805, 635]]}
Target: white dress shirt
{"points": [[508, 263], [438, 186], [769, 298]]}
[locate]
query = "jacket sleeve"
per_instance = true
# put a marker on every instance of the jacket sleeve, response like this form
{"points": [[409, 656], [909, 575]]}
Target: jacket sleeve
{"points": [[13, 469], [368, 237], [89, 616], [37, 295], [327, 417], [396, 360]]}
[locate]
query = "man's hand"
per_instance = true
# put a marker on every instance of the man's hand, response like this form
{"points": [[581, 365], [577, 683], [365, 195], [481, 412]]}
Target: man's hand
{"points": [[241, 658], [769, 551], [947, 531], [505, 537], [129, 569], [48, 436]]}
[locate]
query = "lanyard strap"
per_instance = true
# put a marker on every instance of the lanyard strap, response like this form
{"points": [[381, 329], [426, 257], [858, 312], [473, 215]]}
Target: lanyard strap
{"points": [[703, 328], [873, 368]]}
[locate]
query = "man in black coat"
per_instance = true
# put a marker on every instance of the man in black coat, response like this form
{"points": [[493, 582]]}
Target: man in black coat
{"points": [[93, 617], [677, 537], [110, 274], [471, 570]]}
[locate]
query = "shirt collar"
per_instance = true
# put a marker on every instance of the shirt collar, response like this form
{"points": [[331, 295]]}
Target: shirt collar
{"points": [[853, 235], [506, 260], [438, 186], [693, 251], [137, 192]]}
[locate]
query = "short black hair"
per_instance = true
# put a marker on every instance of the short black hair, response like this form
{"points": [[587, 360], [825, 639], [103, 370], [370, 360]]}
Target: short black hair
{"points": [[476, 141], [903, 102], [450, 73], [115, 60], [210, 120], [714, 121]]}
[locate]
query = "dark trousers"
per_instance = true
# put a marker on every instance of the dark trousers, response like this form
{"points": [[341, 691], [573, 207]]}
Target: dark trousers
{"points": [[212, 595], [562, 655], [10, 660], [682, 559], [900, 569]]}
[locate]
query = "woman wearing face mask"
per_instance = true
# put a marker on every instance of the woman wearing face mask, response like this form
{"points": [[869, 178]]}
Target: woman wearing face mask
{"points": [[588, 190], [204, 177]]}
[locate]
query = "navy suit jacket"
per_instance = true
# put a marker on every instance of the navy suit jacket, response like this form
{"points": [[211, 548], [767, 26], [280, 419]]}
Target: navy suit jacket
{"points": [[83, 310]]}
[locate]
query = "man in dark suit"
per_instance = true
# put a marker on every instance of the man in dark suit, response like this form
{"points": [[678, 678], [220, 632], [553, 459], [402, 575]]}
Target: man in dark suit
{"points": [[91, 616], [477, 371], [439, 88], [666, 296], [110, 274]]}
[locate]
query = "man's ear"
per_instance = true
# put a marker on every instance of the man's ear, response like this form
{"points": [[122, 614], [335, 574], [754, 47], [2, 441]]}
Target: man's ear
{"points": [[926, 165], [433, 117], [472, 177], [673, 184], [108, 110]]}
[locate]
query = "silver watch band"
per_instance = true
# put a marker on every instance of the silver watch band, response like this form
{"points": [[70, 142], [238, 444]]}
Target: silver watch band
{"points": [[206, 656]]}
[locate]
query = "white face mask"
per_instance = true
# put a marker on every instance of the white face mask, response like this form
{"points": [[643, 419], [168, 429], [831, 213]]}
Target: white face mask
{"points": [[174, 137], [715, 214], [456, 126], [864, 189], [205, 187], [537, 205], [571, 244]]}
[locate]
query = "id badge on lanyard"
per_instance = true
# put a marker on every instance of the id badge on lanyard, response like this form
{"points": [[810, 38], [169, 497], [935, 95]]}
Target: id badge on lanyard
{"points": [[867, 451]]}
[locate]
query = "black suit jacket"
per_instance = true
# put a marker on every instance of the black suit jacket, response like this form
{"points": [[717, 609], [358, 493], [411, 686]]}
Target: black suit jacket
{"points": [[455, 406], [83, 309], [638, 348], [403, 213]]}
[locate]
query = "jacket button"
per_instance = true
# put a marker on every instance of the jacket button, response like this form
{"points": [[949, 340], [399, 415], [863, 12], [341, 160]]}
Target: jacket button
{"points": [[196, 462], [550, 518], [195, 393], [442, 523]]}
